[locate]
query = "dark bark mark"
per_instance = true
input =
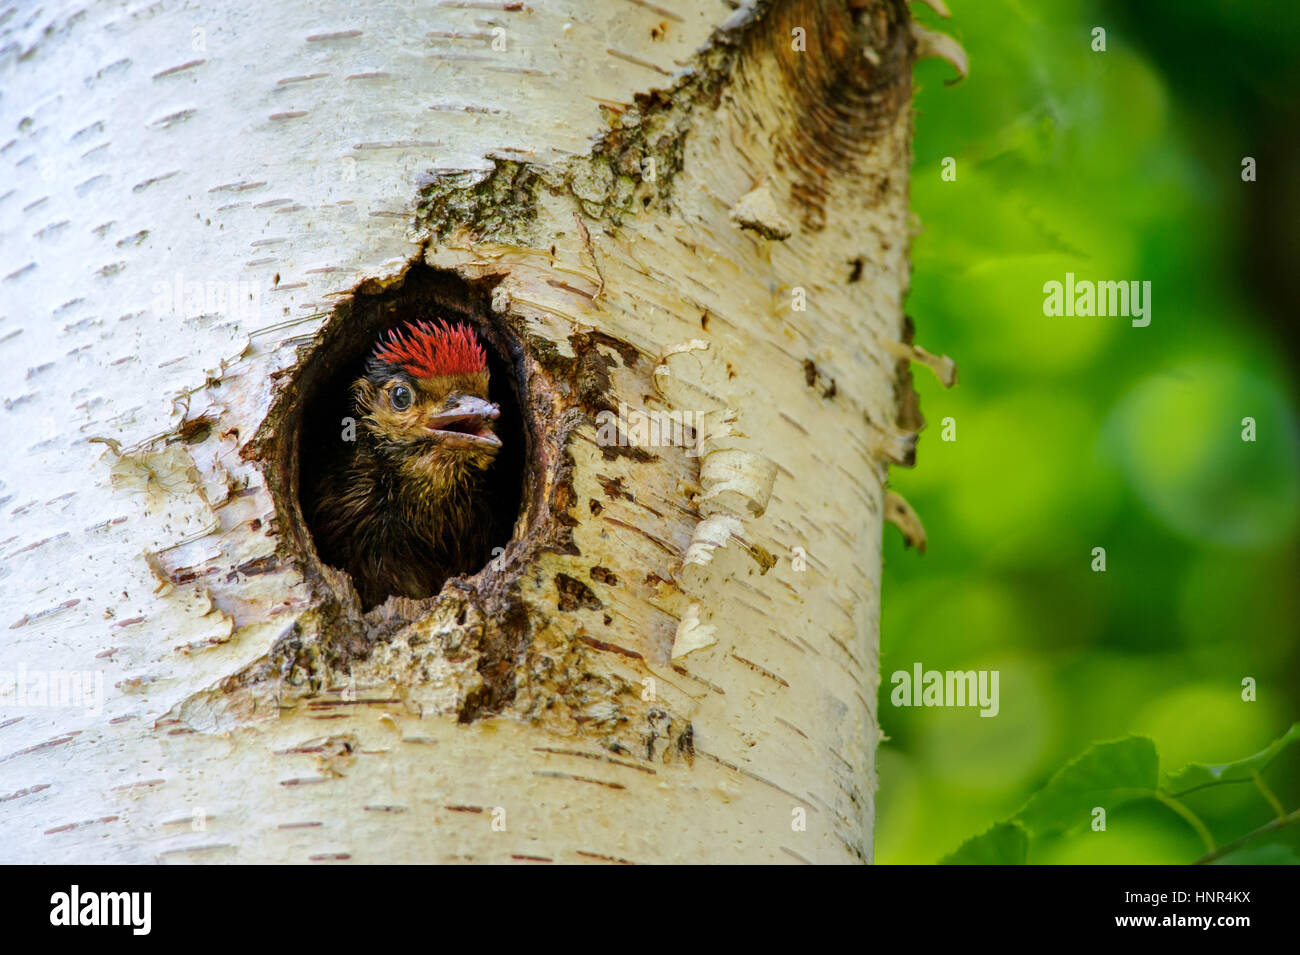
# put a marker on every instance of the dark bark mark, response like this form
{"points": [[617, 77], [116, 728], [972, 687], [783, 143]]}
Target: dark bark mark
{"points": [[613, 487], [813, 378], [908, 401], [575, 595], [604, 575], [844, 89]]}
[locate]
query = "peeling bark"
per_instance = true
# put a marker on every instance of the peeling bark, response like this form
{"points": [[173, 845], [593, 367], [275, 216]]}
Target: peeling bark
{"points": [[674, 658]]}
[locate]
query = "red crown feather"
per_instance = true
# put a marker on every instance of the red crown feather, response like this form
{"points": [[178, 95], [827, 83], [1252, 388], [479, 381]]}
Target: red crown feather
{"points": [[430, 349]]}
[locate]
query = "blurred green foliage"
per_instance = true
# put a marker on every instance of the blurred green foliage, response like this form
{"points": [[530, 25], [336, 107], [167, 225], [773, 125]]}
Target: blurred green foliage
{"points": [[1075, 433], [1112, 775]]}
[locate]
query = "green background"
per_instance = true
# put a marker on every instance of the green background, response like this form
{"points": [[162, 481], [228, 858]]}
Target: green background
{"points": [[1075, 433]]}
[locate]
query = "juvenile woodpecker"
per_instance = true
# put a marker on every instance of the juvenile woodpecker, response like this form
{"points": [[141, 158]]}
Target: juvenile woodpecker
{"points": [[405, 508]]}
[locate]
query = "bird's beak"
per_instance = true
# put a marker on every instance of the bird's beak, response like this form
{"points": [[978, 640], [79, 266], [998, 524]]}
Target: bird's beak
{"points": [[466, 424]]}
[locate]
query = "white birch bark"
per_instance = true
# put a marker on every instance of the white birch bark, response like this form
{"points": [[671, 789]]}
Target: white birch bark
{"points": [[676, 658]]}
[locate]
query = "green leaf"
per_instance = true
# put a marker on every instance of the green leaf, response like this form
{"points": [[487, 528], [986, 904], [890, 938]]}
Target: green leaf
{"points": [[1273, 854], [1005, 844], [1197, 775], [1106, 775]]}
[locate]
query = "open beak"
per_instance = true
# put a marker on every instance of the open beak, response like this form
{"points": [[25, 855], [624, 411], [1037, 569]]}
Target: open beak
{"points": [[466, 424]]}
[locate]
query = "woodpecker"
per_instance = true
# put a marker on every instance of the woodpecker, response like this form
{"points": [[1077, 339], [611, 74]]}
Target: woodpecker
{"points": [[405, 507]]}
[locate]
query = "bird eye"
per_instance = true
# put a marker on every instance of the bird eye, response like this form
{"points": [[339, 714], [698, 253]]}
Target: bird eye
{"points": [[401, 397]]}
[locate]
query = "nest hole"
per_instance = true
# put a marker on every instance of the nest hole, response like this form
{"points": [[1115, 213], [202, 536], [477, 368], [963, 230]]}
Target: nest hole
{"points": [[318, 422]]}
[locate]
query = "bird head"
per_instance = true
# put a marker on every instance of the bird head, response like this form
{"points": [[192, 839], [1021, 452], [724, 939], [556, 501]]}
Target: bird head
{"points": [[423, 400]]}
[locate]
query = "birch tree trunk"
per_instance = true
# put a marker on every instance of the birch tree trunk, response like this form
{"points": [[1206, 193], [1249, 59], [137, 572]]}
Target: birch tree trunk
{"points": [[680, 213]]}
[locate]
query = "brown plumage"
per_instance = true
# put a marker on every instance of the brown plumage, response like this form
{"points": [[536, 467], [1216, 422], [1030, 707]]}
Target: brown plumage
{"points": [[405, 508]]}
